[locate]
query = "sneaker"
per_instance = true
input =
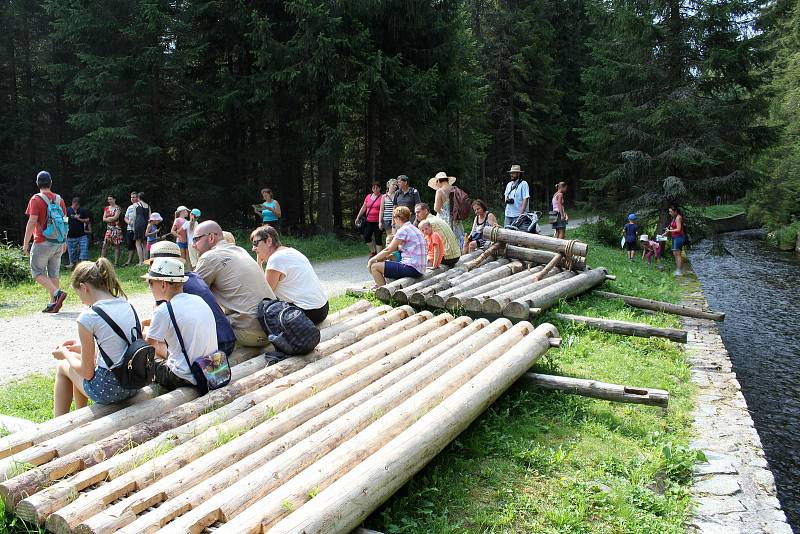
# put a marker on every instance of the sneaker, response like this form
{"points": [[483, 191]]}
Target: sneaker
{"points": [[50, 308], [60, 296]]}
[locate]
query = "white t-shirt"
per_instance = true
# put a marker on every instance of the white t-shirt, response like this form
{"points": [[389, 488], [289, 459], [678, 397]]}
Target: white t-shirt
{"points": [[130, 215], [198, 329], [520, 193], [189, 232], [120, 311], [300, 284]]}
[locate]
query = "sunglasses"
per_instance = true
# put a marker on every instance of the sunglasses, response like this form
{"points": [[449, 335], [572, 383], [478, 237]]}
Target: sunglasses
{"points": [[197, 238], [257, 241]]}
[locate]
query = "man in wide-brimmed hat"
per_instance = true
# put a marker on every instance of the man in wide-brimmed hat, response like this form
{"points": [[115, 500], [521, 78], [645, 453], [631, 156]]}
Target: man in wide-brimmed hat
{"points": [[177, 312], [517, 195]]}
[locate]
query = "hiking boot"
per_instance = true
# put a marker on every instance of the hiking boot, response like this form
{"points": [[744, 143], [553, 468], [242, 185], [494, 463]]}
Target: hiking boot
{"points": [[60, 296]]}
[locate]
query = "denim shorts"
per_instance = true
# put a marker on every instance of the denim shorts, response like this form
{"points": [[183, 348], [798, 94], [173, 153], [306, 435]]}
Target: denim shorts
{"points": [[678, 242], [104, 388], [395, 270]]}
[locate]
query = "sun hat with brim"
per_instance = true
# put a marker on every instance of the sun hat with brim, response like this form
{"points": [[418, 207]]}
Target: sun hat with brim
{"points": [[644, 237], [156, 217], [196, 212], [632, 217], [433, 183], [164, 249], [516, 168], [166, 270]]}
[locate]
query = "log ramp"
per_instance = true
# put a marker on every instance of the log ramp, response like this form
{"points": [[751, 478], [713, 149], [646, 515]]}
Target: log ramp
{"points": [[381, 395]]}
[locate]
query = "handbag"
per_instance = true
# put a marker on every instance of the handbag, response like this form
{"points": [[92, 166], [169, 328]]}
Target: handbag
{"points": [[137, 366], [211, 371], [360, 221], [554, 216]]}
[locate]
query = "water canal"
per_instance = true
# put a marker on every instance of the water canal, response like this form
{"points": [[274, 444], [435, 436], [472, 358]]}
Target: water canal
{"points": [[758, 288]]}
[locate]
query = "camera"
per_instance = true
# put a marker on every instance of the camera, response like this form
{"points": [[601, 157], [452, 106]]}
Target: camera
{"points": [[509, 201]]}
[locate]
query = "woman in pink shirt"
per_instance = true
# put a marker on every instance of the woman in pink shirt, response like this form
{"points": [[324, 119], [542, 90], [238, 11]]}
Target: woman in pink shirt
{"points": [[370, 225]]}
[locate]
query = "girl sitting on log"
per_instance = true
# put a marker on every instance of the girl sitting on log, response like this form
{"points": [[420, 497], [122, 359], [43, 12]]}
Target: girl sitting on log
{"points": [[410, 240], [482, 219], [81, 374]]}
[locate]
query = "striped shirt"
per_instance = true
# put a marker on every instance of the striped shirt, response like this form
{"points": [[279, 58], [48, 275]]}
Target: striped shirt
{"points": [[414, 248], [388, 209], [451, 247]]}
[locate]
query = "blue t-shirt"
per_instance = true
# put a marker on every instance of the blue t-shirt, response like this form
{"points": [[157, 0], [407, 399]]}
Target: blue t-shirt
{"points": [[267, 215], [196, 286], [630, 231]]}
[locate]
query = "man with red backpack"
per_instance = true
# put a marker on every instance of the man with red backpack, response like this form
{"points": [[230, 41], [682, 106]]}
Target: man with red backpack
{"points": [[47, 225]]}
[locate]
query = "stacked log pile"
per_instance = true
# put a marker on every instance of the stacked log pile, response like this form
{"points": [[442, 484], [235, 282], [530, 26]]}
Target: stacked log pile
{"points": [[383, 380]]}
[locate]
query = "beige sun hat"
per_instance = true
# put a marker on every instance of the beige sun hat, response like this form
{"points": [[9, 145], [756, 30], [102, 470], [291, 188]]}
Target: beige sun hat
{"points": [[166, 270], [644, 237], [516, 168], [433, 183], [164, 249]]}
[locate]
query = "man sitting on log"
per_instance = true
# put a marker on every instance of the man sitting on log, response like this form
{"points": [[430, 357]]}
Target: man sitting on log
{"points": [[236, 281], [452, 249]]}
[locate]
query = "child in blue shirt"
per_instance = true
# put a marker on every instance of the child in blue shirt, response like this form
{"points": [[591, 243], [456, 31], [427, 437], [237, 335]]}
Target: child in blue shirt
{"points": [[630, 234], [151, 233]]}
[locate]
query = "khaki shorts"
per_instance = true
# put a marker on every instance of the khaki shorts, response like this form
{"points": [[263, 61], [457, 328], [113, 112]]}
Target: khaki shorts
{"points": [[46, 259], [251, 338]]}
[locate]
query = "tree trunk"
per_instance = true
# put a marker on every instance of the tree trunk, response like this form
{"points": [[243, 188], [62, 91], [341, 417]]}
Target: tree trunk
{"points": [[666, 307], [550, 244], [599, 390], [549, 296], [626, 328], [496, 304]]}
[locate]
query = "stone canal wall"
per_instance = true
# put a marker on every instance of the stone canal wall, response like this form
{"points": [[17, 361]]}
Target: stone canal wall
{"points": [[735, 490]]}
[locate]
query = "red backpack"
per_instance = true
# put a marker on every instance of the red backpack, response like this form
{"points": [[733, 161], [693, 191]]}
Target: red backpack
{"points": [[460, 204]]}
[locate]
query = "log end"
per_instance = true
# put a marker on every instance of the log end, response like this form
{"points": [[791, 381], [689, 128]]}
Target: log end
{"points": [[472, 304], [401, 297], [453, 303], [435, 301], [417, 299], [517, 310], [27, 512], [383, 294], [58, 524], [491, 306]]}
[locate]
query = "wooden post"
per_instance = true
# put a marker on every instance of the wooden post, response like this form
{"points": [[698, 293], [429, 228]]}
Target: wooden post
{"points": [[344, 503], [15, 489], [493, 250], [552, 263], [599, 390], [626, 328], [549, 296], [495, 305], [437, 300], [539, 256], [666, 307]]}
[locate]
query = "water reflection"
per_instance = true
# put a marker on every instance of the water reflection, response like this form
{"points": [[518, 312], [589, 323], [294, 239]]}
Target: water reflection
{"points": [[757, 288]]}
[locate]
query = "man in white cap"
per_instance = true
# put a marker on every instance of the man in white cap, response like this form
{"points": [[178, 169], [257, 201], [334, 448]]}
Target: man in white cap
{"points": [[181, 323], [517, 195]]}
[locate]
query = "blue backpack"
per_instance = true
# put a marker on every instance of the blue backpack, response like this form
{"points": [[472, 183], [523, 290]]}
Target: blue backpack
{"points": [[55, 228]]}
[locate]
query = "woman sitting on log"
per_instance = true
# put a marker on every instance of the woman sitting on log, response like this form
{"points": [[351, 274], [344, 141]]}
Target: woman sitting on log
{"points": [[411, 242], [482, 219], [82, 374], [290, 274]]}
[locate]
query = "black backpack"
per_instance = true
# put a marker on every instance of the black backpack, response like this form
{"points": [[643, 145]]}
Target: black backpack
{"points": [[137, 366], [287, 327]]}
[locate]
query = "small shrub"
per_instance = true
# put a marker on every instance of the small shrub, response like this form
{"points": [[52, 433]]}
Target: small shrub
{"points": [[786, 237], [604, 231], [13, 265]]}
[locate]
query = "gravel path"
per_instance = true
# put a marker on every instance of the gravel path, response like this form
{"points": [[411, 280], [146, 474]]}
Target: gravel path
{"points": [[30, 339]]}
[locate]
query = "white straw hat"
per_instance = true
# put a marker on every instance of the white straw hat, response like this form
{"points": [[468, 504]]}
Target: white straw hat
{"points": [[164, 249], [433, 183], [166, 270]]}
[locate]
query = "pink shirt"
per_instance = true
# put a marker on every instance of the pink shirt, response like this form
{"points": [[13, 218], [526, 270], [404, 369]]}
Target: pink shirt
{"points": [[414, 247], [373, 207], [558, 202]]}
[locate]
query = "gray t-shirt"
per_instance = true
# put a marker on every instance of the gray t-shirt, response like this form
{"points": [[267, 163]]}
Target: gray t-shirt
{"points": [[121, 312]]}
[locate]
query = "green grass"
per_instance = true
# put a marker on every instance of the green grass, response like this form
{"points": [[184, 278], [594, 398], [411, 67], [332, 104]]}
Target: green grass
{"points": [[721, 211], [317, 248], [548, 462]]}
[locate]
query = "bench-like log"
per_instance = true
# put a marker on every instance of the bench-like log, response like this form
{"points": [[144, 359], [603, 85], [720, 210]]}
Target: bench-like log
{"points": [[625, 327], [505, 270], [599, 390], [549, 296], [345, 503], [459, 276], [666, 307], [536, 241], [540, 256], [386, 292], [495, 305]]}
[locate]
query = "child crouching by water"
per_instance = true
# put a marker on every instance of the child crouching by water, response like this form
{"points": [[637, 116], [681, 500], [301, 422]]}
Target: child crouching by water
{"points": [[82, 375], [651, 250]]}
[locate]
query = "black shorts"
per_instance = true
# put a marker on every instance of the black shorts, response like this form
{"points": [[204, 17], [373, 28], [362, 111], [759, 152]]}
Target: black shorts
{"points": [[318, 315], [631, 245], [451, 262], [130, 240], [165, 378], [371, 230]]}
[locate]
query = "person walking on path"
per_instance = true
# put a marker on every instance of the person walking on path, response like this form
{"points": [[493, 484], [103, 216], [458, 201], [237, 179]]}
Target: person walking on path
{"points": [[289, 274], [517, 195], [179, 232], [194, 285], [130, 233], [182, 326], [630, 236], [483, 219], [370, 223], [410, 241], [47, 227], [406, 196], [80, 227], [113, 235], [560, 224], [81, 375], [270, 209], [387, 209], [140, 222], [190, 226], [678, 234], [236, 281], [452, 250]]}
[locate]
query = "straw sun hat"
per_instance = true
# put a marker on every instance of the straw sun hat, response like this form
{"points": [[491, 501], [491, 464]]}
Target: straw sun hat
{"points": [[166, 270], [433, 183]]}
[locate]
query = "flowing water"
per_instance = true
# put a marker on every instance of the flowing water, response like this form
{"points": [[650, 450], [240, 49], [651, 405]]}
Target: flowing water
{"points": [[758, 288]]}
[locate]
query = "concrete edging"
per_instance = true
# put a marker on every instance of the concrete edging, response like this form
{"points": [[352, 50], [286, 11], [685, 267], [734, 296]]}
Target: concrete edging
{"points": [[734, 491]]}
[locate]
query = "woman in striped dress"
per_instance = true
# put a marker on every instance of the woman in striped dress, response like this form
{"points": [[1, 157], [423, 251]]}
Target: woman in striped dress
{"points": [[387, 209]]}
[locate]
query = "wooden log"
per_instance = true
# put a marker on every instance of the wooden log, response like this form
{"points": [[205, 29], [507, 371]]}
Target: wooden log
{"points": [[536, 241], [344, 503], [472, 300], [496, 304], [495, 249], [457, 277], [234, 499], [625, 327], [402, 295], [176, 494], [539, 256], [386, 292], [549, 296], [666, 307], [283, 397], [599, 390], [505, 270], [29, 482], [14, 443], [547, 268], [524, 274]]}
